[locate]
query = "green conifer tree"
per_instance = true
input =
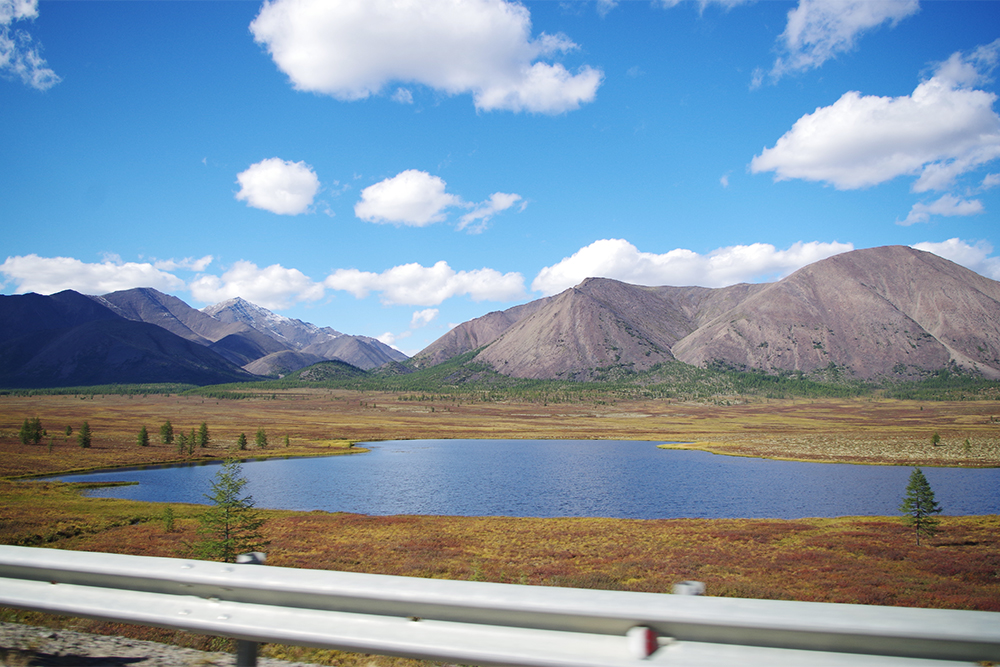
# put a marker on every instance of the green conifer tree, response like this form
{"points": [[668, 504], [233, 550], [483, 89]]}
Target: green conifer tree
{"points": [[143, 439], [231, 525], [203, 437], [261, 439], [919, 505], [167, 433], [84, 437], [37, 432], [31, 432], [241, 441]]}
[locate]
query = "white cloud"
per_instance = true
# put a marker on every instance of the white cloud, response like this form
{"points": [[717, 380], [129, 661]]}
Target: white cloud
{"points": [[47, 275], [413, 198], [417, 199], [620, 260], [422, 318], [278, 186], [391, 339], [416, 285], [189, 263], [481, 214], [818, 30], [972, 256], [948, 205], [353, 49], [941, 131], [403, 96], [19, 55], [990, 182], [273, 287]]}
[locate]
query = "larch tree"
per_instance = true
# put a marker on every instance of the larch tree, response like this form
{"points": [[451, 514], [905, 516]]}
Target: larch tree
{"points": [[919, 506], [84, 437], [167, 433], [31, 432], [143, 439], [231, 525]]}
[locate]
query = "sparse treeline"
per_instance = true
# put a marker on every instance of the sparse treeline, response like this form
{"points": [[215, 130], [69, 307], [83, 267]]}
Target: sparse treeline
{"points": [[32, 432], [102, 390], [462, 380], [200, 438]]}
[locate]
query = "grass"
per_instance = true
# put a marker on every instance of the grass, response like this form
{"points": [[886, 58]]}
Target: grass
{"points": [[837, 430], [869, 560]]}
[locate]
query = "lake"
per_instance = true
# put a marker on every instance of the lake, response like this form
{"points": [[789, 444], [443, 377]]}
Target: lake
{"points": [[562, 478]]}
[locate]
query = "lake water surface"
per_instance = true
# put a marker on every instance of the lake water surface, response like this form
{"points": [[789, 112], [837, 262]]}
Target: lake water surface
{"points": [[563, 478]]}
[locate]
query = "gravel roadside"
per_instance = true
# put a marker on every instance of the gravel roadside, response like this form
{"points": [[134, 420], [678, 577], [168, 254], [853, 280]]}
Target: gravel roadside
{"points": [[31, 646]]}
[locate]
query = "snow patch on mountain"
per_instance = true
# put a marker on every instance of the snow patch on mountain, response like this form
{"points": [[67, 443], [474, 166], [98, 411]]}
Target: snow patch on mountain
{"points": [[295, 333]]}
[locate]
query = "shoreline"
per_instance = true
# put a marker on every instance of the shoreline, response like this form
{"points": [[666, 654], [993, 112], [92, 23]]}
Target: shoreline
{"points": [[180, 463], [708, 448]]}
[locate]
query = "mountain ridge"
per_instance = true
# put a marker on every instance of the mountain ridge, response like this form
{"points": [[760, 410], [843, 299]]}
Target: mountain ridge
{"points": [[891, 311], [249, 335], [68, 339]]}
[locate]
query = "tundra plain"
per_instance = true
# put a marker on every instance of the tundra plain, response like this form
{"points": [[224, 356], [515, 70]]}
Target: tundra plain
{"points": [[868, 560]]}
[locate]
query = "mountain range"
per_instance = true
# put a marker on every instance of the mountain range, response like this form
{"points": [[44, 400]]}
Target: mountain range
{"points": [[888, 312], [144, 336]]}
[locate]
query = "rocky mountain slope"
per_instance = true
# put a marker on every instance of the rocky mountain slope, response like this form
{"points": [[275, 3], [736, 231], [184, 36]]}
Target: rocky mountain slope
{"points": [[295, 334], [250, 336], [891, 311], [233, 341]]}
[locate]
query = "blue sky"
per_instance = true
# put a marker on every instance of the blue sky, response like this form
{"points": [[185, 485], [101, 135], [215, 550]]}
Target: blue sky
{"points": [[392, 169]]}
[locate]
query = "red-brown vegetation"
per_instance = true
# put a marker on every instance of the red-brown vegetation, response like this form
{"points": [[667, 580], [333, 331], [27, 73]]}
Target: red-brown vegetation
{"points": [[868, 560]]}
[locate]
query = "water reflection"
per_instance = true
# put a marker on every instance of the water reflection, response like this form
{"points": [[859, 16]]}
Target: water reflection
{"points": [[552, 478]]}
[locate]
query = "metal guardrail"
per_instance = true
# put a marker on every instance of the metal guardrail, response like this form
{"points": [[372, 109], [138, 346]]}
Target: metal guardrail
{"points": [[485, 623]]}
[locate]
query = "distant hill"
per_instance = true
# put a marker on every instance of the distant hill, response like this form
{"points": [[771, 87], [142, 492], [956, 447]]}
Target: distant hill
{"points": [[232, 340], [68, 339], [248, 335], [361, 351], [327, 371], [141, 336], [879, 312], [282, 363]]}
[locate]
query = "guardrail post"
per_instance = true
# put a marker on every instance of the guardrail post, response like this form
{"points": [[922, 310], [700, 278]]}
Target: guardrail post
{"points": [[689, 588], [246, 651]]}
